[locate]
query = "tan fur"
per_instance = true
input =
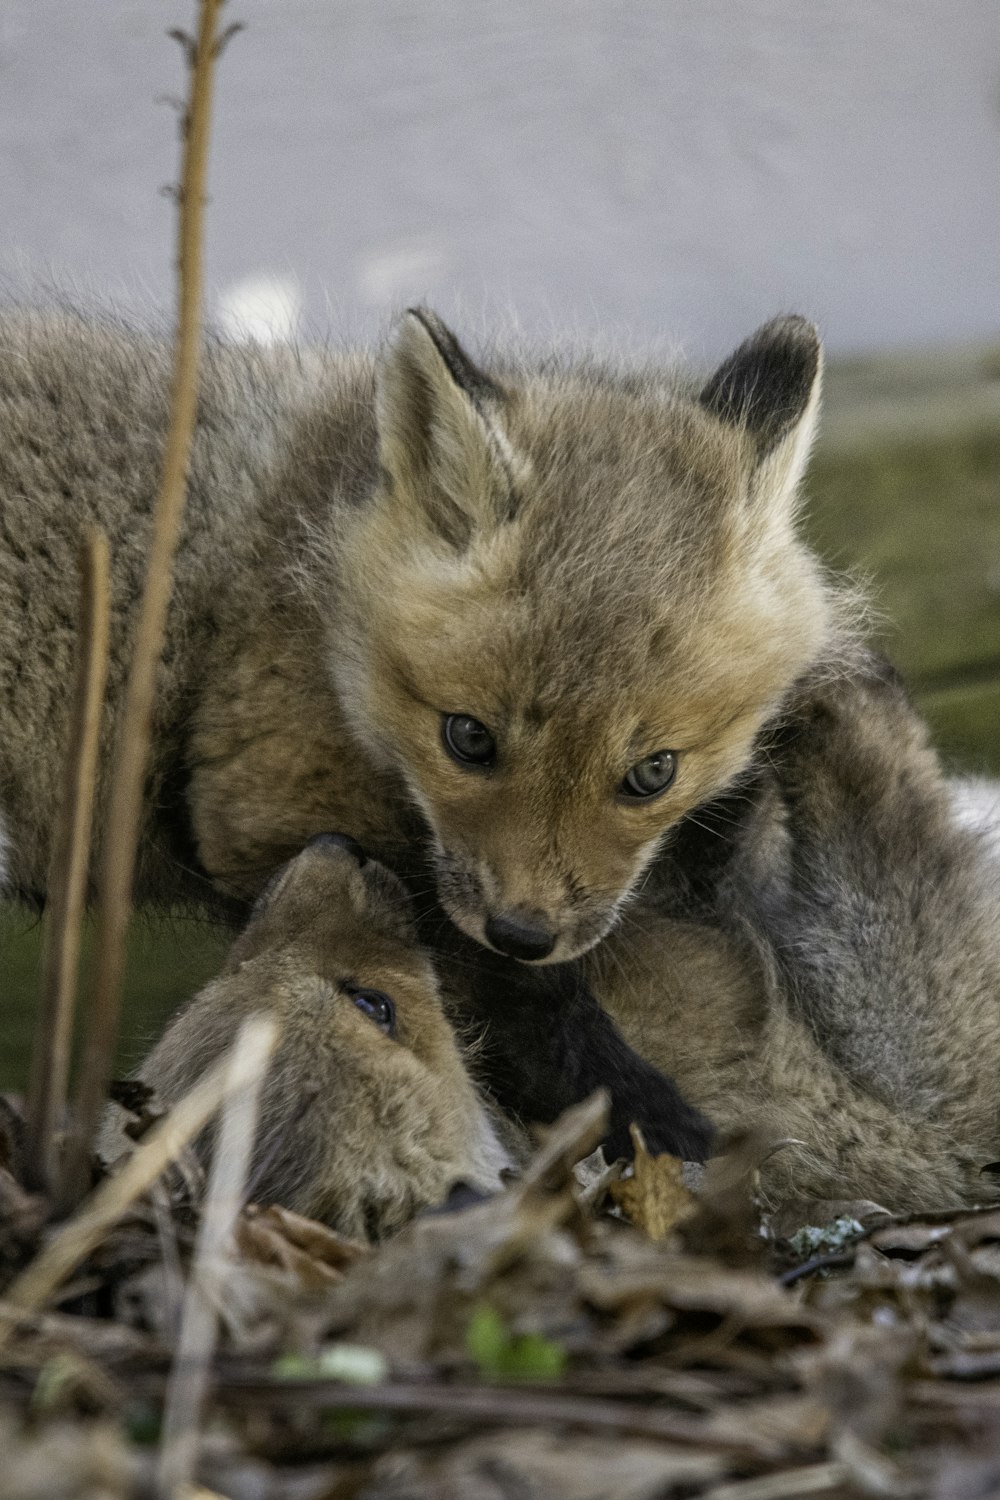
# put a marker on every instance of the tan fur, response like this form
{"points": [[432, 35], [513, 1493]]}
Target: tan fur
{"points": [[357, 1128], [590, 560]]}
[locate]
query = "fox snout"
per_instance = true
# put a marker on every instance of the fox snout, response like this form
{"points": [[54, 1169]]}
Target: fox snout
{"points": [[476, 900], [523, 935]]}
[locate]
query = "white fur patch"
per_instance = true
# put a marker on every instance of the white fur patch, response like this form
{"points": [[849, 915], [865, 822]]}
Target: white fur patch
{"points": [[976, 801], [489, 1156]]}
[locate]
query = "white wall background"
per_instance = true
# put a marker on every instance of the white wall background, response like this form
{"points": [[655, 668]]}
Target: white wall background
{"points": [[662, 168]]}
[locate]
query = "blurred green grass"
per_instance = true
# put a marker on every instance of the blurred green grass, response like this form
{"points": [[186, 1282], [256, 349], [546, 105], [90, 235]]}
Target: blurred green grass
{"points": [[920, 519], [168, 958], [922, 522]]}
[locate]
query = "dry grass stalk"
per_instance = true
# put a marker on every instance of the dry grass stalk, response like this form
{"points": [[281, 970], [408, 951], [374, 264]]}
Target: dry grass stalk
{"points": [[125, 808], [69, 868], [788, 1484], [199, 1323], [115, 1196]]}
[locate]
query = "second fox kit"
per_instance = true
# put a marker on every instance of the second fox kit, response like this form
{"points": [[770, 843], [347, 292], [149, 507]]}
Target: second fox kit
{"points": [[367, 1112]]}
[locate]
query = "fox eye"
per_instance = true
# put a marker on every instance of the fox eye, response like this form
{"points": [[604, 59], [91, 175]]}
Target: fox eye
{"points": [[468, 741], [650, 777], [377, 1006]]}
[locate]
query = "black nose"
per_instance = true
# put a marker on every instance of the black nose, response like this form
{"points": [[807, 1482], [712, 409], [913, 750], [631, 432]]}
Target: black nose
{"points": [[519, 938], [339, 841]]}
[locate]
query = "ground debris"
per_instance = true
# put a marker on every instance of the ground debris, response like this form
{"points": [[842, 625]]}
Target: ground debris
{"points": [[655, 1196], [535, 1343]]}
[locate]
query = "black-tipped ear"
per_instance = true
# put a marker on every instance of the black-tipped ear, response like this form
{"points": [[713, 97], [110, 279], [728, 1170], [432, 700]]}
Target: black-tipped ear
{"points": [[467, 375], [767, 385], [441, 438]]}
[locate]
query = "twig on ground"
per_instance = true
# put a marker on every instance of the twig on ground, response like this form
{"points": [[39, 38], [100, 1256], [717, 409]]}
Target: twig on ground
{"points": [[199, 1323], [125, 806], [787, 1484], [67, 885], [833, 1260], [495, 1405], [115, 1196]]}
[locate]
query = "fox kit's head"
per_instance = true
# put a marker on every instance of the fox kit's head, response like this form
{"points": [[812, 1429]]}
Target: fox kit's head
{"points": [[368, 1113], [574, 599]]}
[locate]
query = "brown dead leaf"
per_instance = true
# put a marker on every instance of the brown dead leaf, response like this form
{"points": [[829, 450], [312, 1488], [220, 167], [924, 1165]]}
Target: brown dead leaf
{"points": [[314, 1239], [655, 1198], [630, 1269], [576, 1133], [313, 1254], [794, 1214], [72, 1459]]}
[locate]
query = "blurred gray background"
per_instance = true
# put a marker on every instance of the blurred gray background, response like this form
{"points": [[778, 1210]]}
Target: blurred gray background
{"points": [[643, 169]]}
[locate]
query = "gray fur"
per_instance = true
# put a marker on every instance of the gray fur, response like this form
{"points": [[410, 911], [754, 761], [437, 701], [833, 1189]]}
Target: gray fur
{"points": [[838, 985]]}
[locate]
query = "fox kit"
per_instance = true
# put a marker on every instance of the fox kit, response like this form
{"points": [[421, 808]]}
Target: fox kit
{"points": [[368, 1113], [524, 619], [537, 614], [535, 632]]}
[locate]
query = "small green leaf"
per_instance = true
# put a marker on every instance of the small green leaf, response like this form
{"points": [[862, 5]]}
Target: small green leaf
{"points": [[57, 1376], [486, 1338], [506, 1356], [534, 1357], [362, 1429]]}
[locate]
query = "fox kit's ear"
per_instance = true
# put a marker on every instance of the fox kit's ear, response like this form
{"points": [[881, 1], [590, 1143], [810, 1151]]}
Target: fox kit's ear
{"points": [[770, 389], [441, 439]]}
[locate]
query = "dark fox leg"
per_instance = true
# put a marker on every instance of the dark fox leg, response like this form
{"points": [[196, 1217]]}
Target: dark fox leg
{"points": [[546, 1044]]}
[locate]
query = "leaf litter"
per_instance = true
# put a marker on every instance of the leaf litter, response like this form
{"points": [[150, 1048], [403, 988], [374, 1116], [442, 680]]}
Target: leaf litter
{"points": [[585, 1333]]}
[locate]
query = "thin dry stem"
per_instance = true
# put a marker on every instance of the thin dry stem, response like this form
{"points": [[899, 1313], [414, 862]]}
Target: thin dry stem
{"points": [[68, 878], [199, 1324], [125, 809], [115, 1196], [787, 1484]]}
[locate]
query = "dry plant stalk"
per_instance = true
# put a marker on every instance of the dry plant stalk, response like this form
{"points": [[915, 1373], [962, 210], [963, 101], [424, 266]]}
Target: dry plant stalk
{"points": [[67, 886], [116, 1194], [787, 1484], [199, 1322], [125, 806]]}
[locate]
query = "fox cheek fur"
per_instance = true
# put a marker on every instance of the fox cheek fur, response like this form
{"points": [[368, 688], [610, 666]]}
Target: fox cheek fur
{"points": [[596, 567]]}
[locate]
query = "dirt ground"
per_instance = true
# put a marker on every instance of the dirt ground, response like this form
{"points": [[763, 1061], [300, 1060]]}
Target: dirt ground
{"points": [[536, 1344]]}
